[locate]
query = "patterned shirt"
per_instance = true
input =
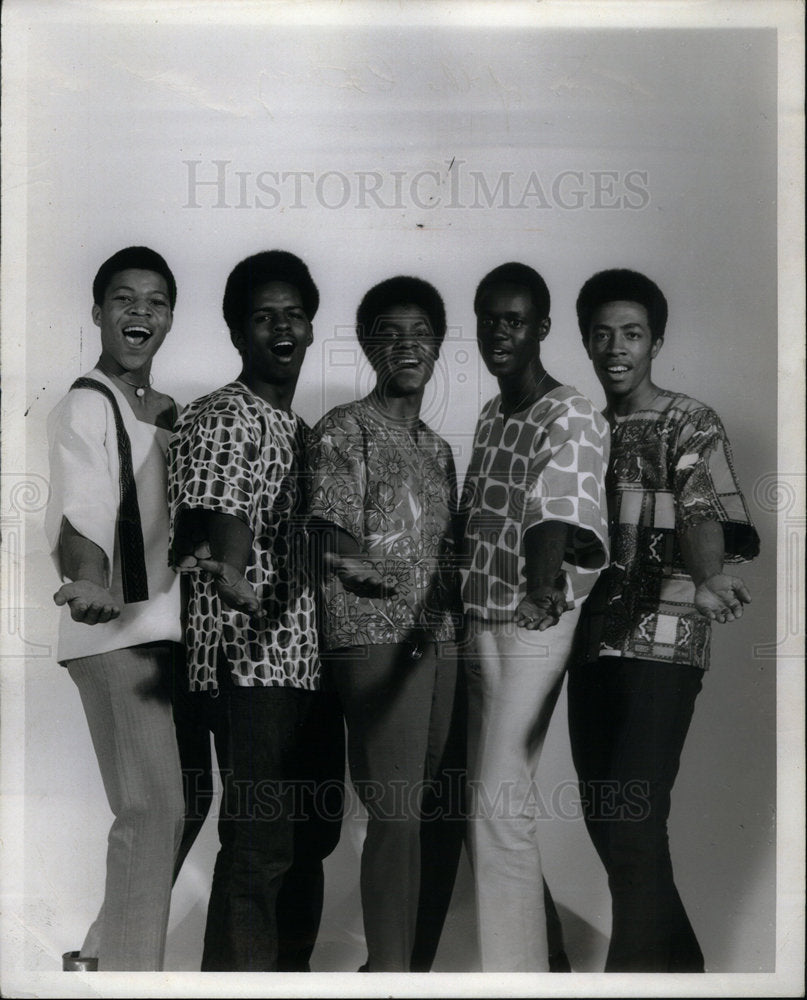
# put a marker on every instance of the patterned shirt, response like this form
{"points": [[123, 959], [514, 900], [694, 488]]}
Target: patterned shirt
{"points": [[546, 463], [670, 469], [394, 491], [235, 454]]}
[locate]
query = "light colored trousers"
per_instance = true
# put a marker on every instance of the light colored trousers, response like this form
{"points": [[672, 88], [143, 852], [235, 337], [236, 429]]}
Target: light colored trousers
{"points": [[514, 679], [126, 698]]}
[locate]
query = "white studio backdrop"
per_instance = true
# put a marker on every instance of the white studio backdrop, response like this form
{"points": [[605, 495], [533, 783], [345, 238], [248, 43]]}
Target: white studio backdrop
{"points": [[439, 151]]}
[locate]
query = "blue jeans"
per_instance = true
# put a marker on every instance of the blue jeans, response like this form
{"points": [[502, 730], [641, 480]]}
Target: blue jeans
{"points": [[628, 719]]}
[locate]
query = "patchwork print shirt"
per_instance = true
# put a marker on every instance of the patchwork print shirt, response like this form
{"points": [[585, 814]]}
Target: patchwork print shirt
{"points": [[545, 463], [234, 453], [671, 468]]}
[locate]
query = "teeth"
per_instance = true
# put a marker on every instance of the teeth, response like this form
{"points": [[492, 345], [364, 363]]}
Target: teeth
{"points": [[136, 335], [617, 368]]}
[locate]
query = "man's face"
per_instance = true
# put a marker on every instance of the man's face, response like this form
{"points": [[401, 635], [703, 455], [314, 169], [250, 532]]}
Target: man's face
{"points": [[403, 350], [622, 348], [134, 318], [276, 333], [508, 329]]}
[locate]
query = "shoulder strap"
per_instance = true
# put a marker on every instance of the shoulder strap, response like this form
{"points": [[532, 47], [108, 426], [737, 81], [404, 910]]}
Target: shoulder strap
{"points": [[130, 529]]}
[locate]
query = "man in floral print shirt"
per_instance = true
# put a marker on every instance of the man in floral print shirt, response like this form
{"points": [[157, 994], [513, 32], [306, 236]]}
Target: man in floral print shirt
{"points": [[384, 495]]}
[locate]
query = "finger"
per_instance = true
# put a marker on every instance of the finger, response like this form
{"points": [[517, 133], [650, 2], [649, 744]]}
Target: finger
{"points": [[78, 609], [60, 598], [92, 614], [202, 550], [187, 562], [741, 590], [212, 566], [547, 622]]}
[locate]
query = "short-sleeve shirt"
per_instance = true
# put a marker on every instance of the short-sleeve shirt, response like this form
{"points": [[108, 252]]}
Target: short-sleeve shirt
{"points": [[85, 489], [392, 487], [233, 453], [545, 463], [671, 468]]}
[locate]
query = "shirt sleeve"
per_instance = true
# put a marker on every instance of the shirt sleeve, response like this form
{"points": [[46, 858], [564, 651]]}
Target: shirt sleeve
{"points": [[84, 472], [339, 473], [705, 485], [567, 483], [213, 463]]}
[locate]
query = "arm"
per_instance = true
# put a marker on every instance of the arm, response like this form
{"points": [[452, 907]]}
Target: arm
{"points": [[341, 554], [545, 602], [718, 596], [224, 555], [85, 564]]}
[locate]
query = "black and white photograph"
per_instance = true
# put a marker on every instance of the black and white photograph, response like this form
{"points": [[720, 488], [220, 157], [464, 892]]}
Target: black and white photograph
{"points": [[402, 498]]}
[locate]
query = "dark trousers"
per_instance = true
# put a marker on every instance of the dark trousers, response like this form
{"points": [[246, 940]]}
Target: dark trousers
{"points": [[193, 741], [280, 755], [406, 750], [628, 719]]}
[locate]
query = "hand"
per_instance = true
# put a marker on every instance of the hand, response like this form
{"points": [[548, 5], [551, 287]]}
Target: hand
{"points": [[233, 589], [541, 609], [358, 575], [721, 597], [88, 602]]}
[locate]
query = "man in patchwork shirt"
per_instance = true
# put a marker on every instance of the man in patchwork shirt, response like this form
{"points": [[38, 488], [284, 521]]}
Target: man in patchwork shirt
{"points": [[238, 485], [676, 515]]}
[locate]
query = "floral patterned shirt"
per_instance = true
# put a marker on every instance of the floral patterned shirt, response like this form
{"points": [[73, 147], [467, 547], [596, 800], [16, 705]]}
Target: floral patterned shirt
{"points": [[394, 491], [545, 463], [671, 468], [234, 453]]}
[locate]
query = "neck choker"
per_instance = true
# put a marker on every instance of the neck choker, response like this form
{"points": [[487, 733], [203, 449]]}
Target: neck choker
{"points": [[140, 389]]}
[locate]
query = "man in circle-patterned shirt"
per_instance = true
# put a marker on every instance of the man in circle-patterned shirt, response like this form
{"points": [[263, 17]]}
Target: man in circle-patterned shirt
{"points": [[238, 504]]}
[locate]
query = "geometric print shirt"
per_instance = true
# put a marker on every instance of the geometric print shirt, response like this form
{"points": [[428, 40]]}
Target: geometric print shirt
{"points": [[392, 487], [671, 469], [234, 453], [545, 463]]}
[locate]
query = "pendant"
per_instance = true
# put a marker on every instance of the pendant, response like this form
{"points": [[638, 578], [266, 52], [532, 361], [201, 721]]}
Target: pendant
{"points": [[140, 391]]}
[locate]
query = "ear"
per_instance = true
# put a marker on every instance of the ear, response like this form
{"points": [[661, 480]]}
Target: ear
{"points": [[587, 345], [96, 315], [309, 340], [238, 340], [543, 328], [656, 347]]}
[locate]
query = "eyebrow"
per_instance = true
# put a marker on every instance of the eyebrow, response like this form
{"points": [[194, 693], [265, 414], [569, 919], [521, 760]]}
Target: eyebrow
{"points": [[620, 326], [272, 308], [129, 288]]}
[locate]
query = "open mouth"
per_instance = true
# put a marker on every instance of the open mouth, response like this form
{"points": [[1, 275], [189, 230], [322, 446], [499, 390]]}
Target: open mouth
{"points": [[136, 336], [499, 354], [283, 349], [616, 369], [405, 362]]}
